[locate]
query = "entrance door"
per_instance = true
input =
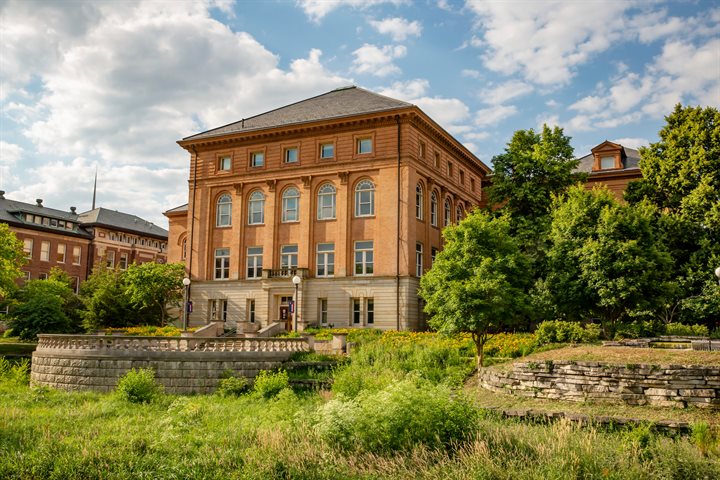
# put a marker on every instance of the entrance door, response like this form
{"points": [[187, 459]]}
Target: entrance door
{"points": [[285, 314]]}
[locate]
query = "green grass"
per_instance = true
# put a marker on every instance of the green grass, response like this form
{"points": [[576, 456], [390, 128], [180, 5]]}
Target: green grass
{"points": [[16, 349]]}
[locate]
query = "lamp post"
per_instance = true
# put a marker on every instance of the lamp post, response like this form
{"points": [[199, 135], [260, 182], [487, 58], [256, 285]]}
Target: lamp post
{"points": [[296, 281], [186, 289]]}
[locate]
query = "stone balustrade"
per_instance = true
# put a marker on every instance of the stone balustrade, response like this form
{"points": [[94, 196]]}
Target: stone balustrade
{"points": [[182, 365]]}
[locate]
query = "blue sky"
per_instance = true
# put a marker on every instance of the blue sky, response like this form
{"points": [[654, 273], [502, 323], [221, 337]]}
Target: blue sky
{"points": [[114, 84]]}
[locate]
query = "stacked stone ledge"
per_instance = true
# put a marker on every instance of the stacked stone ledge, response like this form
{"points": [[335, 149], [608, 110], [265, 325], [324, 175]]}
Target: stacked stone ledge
{"points": [[69, 362], [663, 385]]}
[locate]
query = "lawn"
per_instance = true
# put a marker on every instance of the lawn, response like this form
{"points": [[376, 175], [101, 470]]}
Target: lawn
{"points": [[626, 355]]}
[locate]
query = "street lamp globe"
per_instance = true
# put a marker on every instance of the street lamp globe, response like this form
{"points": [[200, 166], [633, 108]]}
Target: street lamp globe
{"points": [[186, 281], [296, 280]]}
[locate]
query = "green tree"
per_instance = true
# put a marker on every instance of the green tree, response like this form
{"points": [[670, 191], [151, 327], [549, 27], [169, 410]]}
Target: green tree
{"points": [[155, 285], [43, 308], [477, 283], [106, 301], [606, 259], [11, 259], [533, 168], [681, 176]]}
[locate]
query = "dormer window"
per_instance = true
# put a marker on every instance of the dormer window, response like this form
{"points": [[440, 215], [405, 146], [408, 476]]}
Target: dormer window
{"points": [[607, 162]]}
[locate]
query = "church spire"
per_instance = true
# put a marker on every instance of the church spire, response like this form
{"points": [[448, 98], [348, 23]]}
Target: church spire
{"points": [[94, 189]]}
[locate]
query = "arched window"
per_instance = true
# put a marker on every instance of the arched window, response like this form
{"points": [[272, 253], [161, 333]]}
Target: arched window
{"points": [[458, 213], [433, 209], [290, 204], [365, 199], [256, 208], [448, 213], [326, 202], [419, 201], [224, 211]]}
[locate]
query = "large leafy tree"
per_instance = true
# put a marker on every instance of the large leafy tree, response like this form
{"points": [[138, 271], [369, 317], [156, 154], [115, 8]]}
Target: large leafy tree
{"points": [[106, 302], [681, 176], [533, 168], [11, 259], [606, 259], [154, 286], [477, 283], [45, 306]]}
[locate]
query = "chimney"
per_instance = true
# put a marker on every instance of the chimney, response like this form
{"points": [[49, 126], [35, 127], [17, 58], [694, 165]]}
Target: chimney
{"points": [[39, 202], [72, 210], [2, 194]]}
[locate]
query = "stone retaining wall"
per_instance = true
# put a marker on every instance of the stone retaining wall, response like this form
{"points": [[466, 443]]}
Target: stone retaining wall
{"points": [[663, 385], [77, 362]]}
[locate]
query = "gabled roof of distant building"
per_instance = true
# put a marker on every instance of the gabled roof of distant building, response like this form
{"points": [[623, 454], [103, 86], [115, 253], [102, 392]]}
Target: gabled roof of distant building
{"points": [[631, 159], [121, 221], [181, 208], [13, 212], [338, 103]]}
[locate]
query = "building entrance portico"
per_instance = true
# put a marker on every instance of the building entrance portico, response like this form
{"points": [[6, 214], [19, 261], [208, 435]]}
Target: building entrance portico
{"points": [[284, 314]]}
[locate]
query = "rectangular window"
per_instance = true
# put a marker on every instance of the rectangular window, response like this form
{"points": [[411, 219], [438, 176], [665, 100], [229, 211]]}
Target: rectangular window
{"points": [[437, 160], [123, 261], [28, 248], [364, 145], [254, 262], [77, 254], [61, 253], [419, 259], [364, 258], [472, 184], [433, 254], [356, 311], [291, 155], [327, 150], [251, 311], [369, 311], [26, 275], [43, 276], [421, 152], [607, 163], [45, 251], [75, 284], [462, 178], [224, 163], [53, 222], [257, 159], [111, 259], [288, 256], [222, 309], [322, 311], [325, 259], [222, 263], [450, 169]]}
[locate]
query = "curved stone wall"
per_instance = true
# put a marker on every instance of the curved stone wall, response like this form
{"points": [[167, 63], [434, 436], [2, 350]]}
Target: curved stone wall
{"points": [[662, 385], [182, 365]]}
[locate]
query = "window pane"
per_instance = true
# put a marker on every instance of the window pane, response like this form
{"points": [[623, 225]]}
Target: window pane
{"points": [[327, 150], [258, 159], [291, 155], [364, 145]]}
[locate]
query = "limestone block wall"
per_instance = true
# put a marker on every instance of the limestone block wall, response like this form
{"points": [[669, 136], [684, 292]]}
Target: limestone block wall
{"points": [[78, 362], [661, 385]]}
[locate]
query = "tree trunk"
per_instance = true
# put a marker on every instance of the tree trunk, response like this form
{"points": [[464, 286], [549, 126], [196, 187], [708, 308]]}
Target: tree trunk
{"points": [[479, 354]]}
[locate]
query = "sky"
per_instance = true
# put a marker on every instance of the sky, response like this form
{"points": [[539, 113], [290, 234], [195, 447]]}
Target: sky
{"points": [[114, 84]]}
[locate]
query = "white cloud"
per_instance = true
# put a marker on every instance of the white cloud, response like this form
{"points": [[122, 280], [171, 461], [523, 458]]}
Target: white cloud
{"points": [[316, 10], [552, 103], [378, 61], [632, 142], [655, 25], [505, 91], [547, 119], [589, 104], [10, 153], [471, 73], [398, 28], [408, 90], [494, 114], [546, 41]]}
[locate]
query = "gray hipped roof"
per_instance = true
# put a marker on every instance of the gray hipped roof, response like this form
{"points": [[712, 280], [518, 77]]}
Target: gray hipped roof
{"points": [[121, 221], [631, 160], [342, 102], [13, 212]]}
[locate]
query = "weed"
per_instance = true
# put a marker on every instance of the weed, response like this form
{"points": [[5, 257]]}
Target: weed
{"points": [[139, 386]]}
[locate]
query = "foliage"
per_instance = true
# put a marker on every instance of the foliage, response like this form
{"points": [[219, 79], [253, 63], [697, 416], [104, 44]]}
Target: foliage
{"points": [[149, 331], [533, 168], [106, 302], [230, 385], [558, 331], [155, 285], [11, 259], [45, 306], [139, 386], [686, 330], [705, 437], [477, 283], [354, 335], [399, 417], [269, 384], [17, 373], [605, 260]]}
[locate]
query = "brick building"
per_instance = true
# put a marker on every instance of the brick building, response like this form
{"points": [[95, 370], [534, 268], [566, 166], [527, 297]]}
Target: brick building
{"points": [[348, 190], [76, 242], [613, 165]]}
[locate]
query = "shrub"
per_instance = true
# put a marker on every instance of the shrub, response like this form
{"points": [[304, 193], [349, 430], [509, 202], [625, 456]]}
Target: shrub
{"points": [[15, 373], [353, 379], [686, 330], [510, 345], [231, 386], [8, 333], [399, 417], [269, 384], [558, 331], [704, 438], [139, 386]]}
